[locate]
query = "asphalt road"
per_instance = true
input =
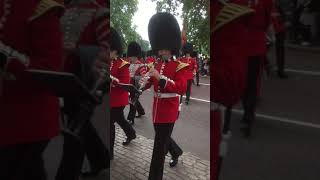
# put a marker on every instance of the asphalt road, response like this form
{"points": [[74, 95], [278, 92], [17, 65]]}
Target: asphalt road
{"points": [[285, 143]]}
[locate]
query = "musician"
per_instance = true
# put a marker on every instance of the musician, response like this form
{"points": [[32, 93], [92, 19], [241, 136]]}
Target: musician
{"points": [[277, 21], [26, 27], [230, 49], [196, 56], [150, 58], [119, 98], [137, 70], [84, 23], [192, 68], [168, 79], [257, 27]]}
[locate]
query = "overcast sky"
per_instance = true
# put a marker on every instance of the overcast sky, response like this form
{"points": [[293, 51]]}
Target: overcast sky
{"points": [[146, 9]]}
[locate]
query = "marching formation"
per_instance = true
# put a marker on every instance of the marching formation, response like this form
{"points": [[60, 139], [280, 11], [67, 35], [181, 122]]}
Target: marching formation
{"points": [[59, 60], [167, 72]]}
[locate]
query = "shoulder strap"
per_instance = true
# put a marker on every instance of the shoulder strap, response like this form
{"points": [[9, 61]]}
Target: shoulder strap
{"points": [[229, 13], [44, 6]]}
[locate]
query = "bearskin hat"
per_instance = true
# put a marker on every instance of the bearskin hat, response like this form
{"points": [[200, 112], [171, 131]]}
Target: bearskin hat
{"points": [[115, 41], [187, 49], [164, 33], [134, 50]]}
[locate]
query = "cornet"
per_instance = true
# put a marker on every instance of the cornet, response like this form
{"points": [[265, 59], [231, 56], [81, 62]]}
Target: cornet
{"points": [[144, 80]]}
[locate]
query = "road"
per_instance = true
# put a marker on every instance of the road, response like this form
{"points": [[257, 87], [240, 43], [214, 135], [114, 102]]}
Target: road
{"points": [[285, 143]]}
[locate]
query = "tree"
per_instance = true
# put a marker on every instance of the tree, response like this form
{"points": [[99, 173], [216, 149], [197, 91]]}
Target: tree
{"points": [[196, 15], [121, 13]]}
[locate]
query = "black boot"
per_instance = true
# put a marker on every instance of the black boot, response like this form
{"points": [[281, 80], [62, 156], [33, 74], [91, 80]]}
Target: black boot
{"points": [[246, 127], [282, 75], [129, 139], [131, 121], [174, 160]]}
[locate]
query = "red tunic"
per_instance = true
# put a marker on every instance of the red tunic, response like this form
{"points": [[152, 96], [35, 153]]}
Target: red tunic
{"points": [[230, 54], [120, 70], [258, 26], [192, 66], [28, 111], [165, 110], [150, 60]]}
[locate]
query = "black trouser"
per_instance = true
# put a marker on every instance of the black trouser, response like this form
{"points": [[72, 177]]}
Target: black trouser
{"points": [[74, 151], [23, 161], [306, 33], [162, 144], [117, 115], [280, 51], [250, 96], [134, 109], [197, 77], [189, 84]]}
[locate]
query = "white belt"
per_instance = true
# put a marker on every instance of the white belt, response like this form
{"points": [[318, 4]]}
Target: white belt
{"points": [[166, 95]]}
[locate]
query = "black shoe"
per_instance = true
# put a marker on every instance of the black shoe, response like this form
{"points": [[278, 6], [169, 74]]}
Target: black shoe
{"points": [[198, 84], [92, 174], [131, 121], [129, 139], [187, 102], [139, 115], [245, 129], [174, 161], [283, 76]]}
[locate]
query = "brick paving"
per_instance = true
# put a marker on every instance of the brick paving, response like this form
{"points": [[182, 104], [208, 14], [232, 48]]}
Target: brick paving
{"points": [[132, 162]]}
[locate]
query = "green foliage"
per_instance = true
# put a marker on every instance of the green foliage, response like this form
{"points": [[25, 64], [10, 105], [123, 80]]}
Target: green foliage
{"points": [[196, 14], [121, 13]]}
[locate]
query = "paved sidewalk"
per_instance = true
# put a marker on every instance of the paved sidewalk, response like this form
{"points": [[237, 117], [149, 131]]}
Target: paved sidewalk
{"points": [[132, 162]]}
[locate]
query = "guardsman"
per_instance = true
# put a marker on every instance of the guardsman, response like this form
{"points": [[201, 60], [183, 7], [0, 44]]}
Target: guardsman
{"points": [[258, 25], [230, 50], [119, 98], [192, 69], [196, 56], [85, 23], [169, 82], [280, 34], [137, 70], [30, 38], [150, 57]]}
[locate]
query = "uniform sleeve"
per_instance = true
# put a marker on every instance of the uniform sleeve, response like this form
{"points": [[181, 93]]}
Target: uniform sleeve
{"points": [[124, 75], [102, 31], [46, 38], [177, 85]]}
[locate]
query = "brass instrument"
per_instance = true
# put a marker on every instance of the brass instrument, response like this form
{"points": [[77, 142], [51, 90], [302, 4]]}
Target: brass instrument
{"points": [[144, 80]]}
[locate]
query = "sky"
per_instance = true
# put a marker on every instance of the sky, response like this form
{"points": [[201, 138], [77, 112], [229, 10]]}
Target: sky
{"points": [[146, 9]]}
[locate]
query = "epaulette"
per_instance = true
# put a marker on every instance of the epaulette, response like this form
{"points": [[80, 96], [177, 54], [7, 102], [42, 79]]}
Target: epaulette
{"points": [[181, 66], [123, 63], [44, 6], [230, 12]]}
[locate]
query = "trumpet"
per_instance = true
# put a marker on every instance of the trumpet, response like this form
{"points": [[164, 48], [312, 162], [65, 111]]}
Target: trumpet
{"points": [[144, 80]]}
